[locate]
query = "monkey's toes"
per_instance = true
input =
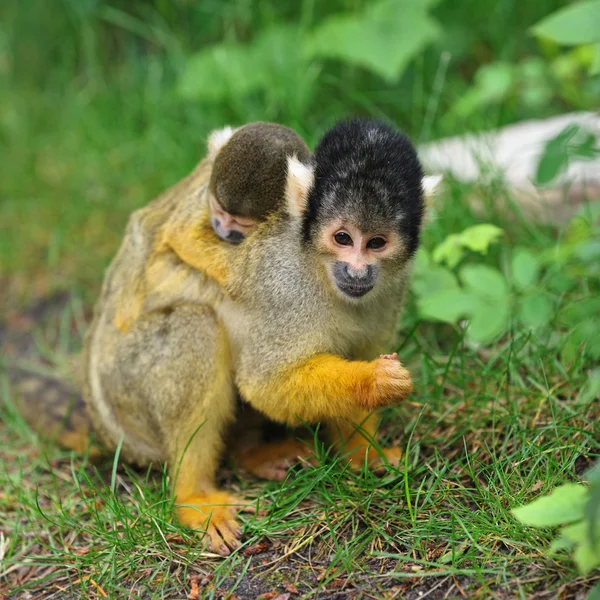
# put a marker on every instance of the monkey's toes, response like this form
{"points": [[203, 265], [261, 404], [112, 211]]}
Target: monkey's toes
{"points": [[273, 460], [214, 515]]}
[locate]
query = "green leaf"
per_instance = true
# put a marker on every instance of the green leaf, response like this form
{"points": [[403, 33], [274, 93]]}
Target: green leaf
{"points": [[221, 71], [576, 312], [555, 157], [560, 543], [558, 281], [585, 333], [233, 70], [489, 319], [576, 533], [595, 66], [484, 280], [586, 558], [589, 251], [535, 310], [595, 593], [591, 390], [573, 25], [446, 306], [449, 251], [479, 237], [383, 39], [433, 280], [422, 260], [524, 268], [493, 82], [564, 505]]}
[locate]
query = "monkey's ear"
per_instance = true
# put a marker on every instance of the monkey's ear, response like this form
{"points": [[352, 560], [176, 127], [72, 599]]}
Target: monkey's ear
{"points": [[217, 139], [430, 184], [298, 183]]}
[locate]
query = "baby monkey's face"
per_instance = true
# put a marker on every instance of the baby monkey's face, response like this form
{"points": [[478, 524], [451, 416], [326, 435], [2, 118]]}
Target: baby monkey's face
{"points": [[230, 228]]}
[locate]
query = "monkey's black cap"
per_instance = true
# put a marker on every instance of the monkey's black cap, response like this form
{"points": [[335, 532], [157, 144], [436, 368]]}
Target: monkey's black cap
{"points": [[368, 173]]}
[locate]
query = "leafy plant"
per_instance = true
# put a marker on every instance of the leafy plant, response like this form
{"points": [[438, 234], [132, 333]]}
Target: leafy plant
{"points": [[278, 62], [575, 508], [527, 292], [382, 39], [574, 25], [570, 144]]}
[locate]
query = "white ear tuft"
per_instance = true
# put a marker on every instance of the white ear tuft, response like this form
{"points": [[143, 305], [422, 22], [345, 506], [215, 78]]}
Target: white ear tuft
{"points": [[430, 184], [299, 181], [217, 139]]}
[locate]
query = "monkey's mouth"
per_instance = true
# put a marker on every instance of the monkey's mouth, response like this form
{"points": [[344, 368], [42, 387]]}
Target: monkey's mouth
{"points": [[354, 291]]}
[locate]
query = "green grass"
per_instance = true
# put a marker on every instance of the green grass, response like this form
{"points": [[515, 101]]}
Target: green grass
{"points": [[91, 127], [484, 434]]}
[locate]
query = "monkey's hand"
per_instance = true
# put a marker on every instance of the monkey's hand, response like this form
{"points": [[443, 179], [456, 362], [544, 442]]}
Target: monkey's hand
{"points": [[392, 382], [215, 514], [198, 246]]}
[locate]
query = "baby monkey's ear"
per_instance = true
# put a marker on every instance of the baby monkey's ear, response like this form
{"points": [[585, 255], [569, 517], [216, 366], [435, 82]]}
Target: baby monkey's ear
{"points": [[217, 139], [299, 181]]}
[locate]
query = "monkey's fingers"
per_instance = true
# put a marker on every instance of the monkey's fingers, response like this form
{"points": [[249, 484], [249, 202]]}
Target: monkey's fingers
{"points": [[393, 356], [224, 535], [392, 382], [214, 513]]}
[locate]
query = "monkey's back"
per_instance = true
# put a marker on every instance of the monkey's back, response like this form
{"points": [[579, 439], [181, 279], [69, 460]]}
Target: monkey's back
{"points": [[165, 281]]}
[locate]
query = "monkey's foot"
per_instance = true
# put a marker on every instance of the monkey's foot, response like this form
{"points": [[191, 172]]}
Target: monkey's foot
{"points": [[213, 514], [272, 460]]}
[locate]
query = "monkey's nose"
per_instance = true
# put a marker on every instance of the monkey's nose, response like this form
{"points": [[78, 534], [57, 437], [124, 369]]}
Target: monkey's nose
{"points": [[235, 237], [356, 274]]}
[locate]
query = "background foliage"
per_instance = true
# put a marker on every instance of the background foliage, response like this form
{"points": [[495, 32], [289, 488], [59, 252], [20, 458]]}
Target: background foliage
{"points": [[105, 103]]}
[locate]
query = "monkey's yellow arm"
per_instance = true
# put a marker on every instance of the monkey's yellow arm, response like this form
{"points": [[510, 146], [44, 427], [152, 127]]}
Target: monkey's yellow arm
{"points": [[198, 246], [327, 387]]}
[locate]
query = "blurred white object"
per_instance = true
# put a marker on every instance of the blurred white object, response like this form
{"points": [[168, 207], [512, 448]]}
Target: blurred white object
{"points": [[514, 153]]}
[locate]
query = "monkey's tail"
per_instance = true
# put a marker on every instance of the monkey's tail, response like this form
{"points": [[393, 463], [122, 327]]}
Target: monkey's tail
{"points": [[54, 408]]}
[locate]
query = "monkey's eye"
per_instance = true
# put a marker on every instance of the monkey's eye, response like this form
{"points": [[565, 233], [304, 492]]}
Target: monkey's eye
{"points": [[342, 238], [376, 243]]}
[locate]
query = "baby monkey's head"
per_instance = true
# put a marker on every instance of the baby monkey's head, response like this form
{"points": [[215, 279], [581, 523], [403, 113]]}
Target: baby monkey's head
{"points": [[249, 175]]}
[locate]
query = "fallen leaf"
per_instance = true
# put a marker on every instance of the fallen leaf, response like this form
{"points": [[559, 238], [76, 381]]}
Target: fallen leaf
{"points": [[256, 549], [195, 591], [291, 588]]}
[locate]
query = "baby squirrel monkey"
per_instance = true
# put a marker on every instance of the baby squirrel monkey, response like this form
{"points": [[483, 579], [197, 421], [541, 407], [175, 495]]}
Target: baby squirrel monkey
{"points": [[246, 170], [248, 175]]}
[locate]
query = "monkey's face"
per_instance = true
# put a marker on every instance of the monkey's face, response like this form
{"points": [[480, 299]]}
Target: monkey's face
{"points": [[230, 228], [357, 260]]}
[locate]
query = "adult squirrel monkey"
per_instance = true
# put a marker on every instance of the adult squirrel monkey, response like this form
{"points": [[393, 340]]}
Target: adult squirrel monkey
{"points": [[314, 292], [312, 296]]}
